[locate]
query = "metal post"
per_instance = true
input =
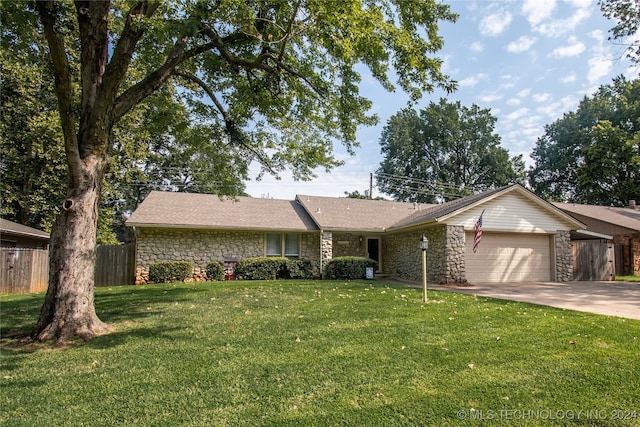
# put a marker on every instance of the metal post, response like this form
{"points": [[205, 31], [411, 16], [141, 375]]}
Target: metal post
{"points": [[424, 275], [424, 245]]}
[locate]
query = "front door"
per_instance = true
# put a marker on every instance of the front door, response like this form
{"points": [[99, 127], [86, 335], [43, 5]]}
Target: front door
{"points": [[373, 250]]}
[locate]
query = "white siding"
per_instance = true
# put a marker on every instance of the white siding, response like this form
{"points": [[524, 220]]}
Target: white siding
{"points": [[508, 257], [511, 212]]}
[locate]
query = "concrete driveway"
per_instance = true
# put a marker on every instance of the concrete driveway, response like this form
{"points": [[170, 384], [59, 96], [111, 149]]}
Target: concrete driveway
{"points": [[610, 298]]}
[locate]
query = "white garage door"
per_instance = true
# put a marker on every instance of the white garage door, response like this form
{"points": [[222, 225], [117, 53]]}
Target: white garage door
{"points": [[503, 257]]}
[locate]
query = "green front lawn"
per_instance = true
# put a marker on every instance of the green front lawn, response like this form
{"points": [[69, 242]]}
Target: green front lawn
{"points": [[628, 278], [321, 353]]}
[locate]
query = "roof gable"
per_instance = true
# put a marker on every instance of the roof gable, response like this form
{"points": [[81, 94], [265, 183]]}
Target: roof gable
{"points": [[511, 208], [189, 210]]}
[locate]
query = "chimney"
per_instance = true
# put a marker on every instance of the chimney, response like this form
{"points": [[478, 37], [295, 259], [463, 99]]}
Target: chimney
{"points": [[632, 204]]}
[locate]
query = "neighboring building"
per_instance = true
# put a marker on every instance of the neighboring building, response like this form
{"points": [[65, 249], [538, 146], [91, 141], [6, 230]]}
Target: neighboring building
{"points": [[524, 237], [623, 224], [24, 265], [14, 235]]}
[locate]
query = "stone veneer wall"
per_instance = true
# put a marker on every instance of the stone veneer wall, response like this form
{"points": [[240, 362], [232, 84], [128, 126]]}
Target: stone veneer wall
{"points": [[326, 248], [564, 256], [204, 246], [456, 252], [349, 244], [635, 254], [402, 256]]}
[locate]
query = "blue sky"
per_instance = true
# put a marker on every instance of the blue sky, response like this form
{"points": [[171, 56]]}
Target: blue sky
{"points": [[529, 61]]}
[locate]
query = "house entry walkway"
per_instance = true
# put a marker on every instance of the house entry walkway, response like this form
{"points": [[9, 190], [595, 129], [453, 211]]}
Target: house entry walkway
{"points": [[609, 298]]}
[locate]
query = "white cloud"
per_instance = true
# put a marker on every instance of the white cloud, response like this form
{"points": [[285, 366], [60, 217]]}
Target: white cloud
{"points": [[496, 23], [599, 67], [575, 48], [568, 79], [599, 63], [541, 14], [476, 47], [523, 44], [523, 93], [517, 114], [541, 97], [489, 98], [471, 81], [537, 11], [513, 102]]}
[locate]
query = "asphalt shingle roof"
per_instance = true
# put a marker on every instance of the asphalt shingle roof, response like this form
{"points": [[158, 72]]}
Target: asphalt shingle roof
{"points": [[341, 213], [13, 228], [168, 209], [623, 217]]}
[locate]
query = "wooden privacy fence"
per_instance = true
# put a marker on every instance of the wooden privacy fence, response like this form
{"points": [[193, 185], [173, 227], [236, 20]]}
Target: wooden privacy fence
{"points": [[593, 260], [27, 270], [23, 270], [115, 265]]}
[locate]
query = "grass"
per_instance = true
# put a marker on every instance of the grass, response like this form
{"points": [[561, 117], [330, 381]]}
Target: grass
{"points": [[628, 278], [320, 353]]}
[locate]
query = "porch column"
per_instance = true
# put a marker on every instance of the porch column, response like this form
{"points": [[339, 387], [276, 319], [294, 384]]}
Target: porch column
{"points": [[326, 249], [564, 256]]}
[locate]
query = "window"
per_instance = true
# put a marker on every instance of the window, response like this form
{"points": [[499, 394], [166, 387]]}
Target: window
{"points": [[283, 243], [274, 245], [291, 245]]}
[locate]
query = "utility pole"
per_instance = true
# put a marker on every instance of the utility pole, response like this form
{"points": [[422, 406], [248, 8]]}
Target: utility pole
{"points": [[370, 185]]}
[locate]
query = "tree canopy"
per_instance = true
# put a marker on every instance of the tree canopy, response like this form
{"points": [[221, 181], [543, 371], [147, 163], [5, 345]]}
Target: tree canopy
{"points": [[262, 81], [626, 13], [444, 151], [592, 155]]}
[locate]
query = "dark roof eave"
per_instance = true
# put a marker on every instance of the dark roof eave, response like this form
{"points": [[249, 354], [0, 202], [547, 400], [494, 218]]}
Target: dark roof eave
{"points": [[11, 233], [214, 227], [415, 225]]}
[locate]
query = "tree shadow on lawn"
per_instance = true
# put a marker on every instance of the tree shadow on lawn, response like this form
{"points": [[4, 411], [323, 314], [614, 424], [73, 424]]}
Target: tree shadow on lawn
{"points": [[121, 308]]}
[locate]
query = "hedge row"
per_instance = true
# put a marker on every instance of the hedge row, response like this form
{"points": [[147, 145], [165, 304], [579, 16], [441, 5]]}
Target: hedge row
{"points": [[262, 268], [170, 271], [348, 267], [272, 268]]}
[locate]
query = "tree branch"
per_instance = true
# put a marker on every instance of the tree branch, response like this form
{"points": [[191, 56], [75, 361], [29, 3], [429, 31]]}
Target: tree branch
{"points": [[93, 32], [235, 133], [157, 78], [63, 86], [123, 51]]}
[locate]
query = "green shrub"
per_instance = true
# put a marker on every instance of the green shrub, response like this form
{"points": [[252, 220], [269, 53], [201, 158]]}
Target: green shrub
{"points": [[348, 267], [261, 268], [215, 271], [272, 268], [170, 271], [297, 269]]}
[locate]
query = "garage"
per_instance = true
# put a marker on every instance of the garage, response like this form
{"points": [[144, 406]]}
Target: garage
{"points": [[509, 257]]}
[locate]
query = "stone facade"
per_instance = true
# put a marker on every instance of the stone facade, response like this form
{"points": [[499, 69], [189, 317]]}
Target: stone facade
{"points": [[326, 247], [400, 252], [455, 266], [204, 246], [635, 254], [564, 257], [349, 244], [402, 256]]}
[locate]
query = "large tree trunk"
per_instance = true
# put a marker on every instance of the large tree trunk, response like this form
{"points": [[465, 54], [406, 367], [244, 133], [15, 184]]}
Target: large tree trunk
{"points": [[69, 309]]}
